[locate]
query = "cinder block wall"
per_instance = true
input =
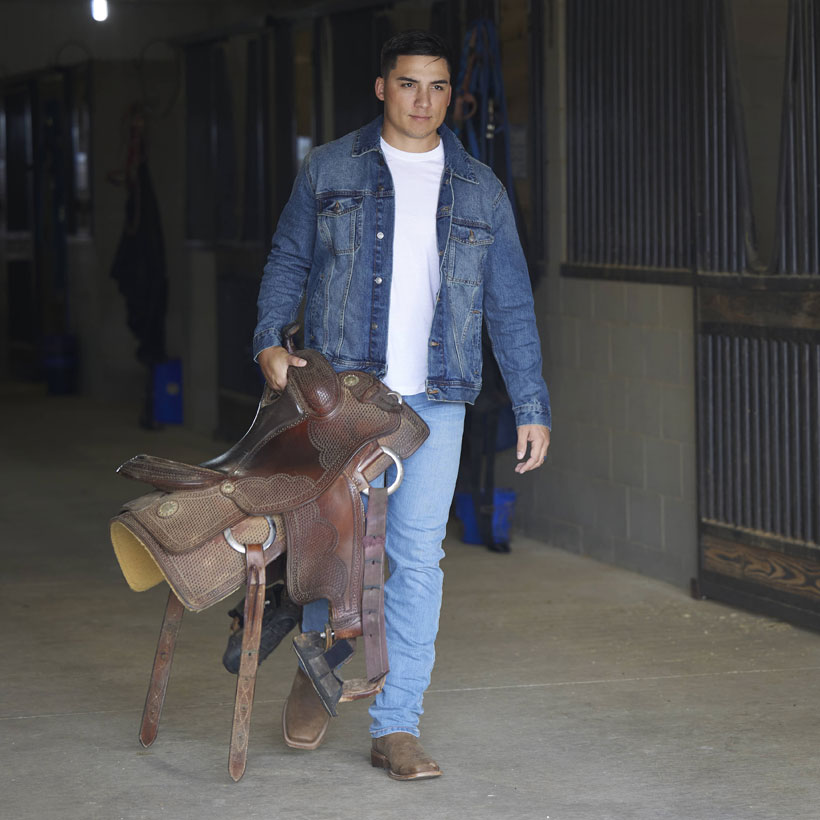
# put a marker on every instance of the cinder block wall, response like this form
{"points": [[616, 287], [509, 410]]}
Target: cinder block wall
{"points": [[619, 484]]}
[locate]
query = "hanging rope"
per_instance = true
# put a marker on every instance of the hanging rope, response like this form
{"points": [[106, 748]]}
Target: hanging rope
{"points": [[480, 112]]}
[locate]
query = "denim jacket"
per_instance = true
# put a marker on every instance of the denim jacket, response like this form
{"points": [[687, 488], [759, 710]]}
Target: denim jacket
{"points": [[334, 246]]}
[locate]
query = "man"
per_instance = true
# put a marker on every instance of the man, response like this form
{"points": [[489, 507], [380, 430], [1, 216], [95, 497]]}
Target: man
{"points": [[402, 244]]}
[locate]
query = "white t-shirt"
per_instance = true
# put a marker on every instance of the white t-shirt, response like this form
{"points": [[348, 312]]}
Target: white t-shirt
{"points": [[416, 279]]}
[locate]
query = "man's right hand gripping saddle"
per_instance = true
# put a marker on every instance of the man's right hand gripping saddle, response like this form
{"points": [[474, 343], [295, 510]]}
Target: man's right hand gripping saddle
{"points": [[293, 485]]}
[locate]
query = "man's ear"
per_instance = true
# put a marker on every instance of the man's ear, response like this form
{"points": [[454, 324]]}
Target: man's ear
{"points": [[379, 88]]}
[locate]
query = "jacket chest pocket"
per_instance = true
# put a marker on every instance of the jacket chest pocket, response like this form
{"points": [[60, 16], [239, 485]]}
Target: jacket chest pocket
{"points": [[469, 244], [340, 223]]}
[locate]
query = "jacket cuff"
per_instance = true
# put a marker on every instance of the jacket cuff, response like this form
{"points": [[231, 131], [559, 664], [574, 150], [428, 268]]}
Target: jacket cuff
{"points": [[532, 412], [266, 338]]}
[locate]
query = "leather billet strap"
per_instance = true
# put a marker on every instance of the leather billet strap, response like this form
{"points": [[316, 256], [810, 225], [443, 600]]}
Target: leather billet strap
{"points": [[161, 670], [249, 663], [375, 639]]}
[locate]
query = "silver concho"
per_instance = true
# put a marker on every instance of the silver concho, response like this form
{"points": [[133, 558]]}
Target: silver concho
{"points": [[167, 509]]}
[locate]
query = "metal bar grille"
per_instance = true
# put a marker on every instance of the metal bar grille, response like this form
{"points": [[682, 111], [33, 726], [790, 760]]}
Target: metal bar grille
{"points": [[760, 447], [655, 133], [796, 246], [629, 133]]}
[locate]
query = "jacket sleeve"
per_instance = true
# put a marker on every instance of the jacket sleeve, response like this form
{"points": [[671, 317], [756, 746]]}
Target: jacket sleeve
{"points": [[288, 264], [509, 315]]}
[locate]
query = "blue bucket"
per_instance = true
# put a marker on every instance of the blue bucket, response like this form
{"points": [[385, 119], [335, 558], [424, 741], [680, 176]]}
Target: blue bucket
{"points": [[60, 364], [503, 510], [168, 392]]}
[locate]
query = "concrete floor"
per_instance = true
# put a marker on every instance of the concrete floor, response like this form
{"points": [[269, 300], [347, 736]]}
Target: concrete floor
{"points": [[565, 689]]}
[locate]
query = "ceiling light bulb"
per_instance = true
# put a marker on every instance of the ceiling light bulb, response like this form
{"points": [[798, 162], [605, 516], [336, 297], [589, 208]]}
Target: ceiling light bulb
{"points": [[99, 10]]}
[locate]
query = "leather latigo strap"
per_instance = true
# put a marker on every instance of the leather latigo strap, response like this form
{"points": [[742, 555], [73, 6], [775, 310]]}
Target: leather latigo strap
{"points": [[246, 681], [375, 640], [161, 670]]}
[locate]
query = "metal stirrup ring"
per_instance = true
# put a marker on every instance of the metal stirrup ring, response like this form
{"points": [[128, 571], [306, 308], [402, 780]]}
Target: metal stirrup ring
{"points": [[241, 547], [399, 471]]}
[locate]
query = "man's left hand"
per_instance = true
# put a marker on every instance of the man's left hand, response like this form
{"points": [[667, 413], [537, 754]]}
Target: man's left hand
{"points": [[538, 437]]}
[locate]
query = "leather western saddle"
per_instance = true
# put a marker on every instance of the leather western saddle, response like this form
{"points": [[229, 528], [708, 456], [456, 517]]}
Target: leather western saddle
{"points": [[292, 485]]}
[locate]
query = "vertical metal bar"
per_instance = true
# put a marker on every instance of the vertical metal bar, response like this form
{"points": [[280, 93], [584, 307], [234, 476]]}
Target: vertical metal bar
{"points": [[703, 421], [608, 137], [737, 426], [794, 437], [703, 227], [814, 166], [756, 440], [618, 125], [583, 126], [645, 129], [600, 122], [766, 421], [572, 199], [719, 428], [806, 475], [745, 517], [709, 506], [632, 141], [673, 33], [816, 440], [774, 361], [723, 184], [802, 214], [581, 179], [791, 222], [668, 194], [784, 429], [660, 129], [726, 434], [781, 263], [572, 137]]}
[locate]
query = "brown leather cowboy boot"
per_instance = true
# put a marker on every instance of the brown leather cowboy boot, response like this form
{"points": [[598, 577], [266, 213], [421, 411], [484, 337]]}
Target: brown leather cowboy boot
{"points": [[403, 756], [304, 718]]}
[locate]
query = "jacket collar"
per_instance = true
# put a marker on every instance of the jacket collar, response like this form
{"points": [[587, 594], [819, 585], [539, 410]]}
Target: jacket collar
{"points": [[456, 157]]}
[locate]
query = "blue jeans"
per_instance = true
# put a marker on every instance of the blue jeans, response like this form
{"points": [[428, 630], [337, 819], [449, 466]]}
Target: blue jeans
{"points": [[416, 524]]}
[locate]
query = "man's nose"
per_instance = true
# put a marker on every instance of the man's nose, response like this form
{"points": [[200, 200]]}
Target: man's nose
{"points": [[423, 99]]}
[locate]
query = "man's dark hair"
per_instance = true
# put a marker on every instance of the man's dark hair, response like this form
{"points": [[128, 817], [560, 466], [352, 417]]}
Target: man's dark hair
{"points": [[412, 42]]}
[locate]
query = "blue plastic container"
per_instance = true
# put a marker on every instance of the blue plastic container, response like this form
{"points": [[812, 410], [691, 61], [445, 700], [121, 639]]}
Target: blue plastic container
{"points": [[503, 511], [168, 392], [60, 364]]}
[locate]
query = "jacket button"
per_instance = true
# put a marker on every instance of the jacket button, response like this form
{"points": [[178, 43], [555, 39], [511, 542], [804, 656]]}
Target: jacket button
{"points": [[379, 235], [432, 390], [441, 253], [378, 280], [434, 344], [374, 326]]}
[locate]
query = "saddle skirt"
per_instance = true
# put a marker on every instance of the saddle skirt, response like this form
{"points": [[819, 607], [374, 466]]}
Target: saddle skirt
{"points": [[309, 454]]}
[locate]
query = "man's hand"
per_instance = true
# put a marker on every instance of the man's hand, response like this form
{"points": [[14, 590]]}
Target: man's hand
{"points": [[538, 437], [275, 362]]}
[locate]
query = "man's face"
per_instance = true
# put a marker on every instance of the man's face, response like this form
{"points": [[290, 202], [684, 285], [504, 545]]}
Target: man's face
{"points": [[416, 94]]}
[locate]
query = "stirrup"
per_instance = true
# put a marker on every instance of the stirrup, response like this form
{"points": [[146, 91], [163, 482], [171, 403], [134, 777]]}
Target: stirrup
{"points": [[321, 664], [281, 615]]}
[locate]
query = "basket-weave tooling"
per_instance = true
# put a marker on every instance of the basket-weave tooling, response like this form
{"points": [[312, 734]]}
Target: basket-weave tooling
{"points": [[303, 464]]}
